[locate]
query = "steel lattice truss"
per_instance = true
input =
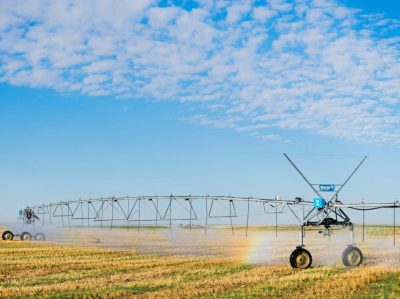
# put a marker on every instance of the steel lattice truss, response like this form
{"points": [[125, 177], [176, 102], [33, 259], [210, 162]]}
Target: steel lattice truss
{"points": [[162, 210], [192, 210]]}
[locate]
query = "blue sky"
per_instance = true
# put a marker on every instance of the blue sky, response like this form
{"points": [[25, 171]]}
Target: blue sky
{"points": [[197, 97]]}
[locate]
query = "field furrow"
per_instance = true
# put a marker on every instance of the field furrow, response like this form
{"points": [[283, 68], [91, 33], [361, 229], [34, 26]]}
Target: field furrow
{"points": [[32, 270]]}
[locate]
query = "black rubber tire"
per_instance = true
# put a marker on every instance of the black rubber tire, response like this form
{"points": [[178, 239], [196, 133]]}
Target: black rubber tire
{"points": [[300, 258], [40, 237], [25, 236], [352, 256], [7, 236]]}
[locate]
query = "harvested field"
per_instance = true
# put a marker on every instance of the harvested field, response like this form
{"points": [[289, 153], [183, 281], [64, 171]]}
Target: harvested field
{"points": [[93, 263]]}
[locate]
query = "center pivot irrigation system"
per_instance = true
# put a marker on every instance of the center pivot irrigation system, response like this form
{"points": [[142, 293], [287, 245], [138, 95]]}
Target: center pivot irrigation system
{"points": [[207, 211]]}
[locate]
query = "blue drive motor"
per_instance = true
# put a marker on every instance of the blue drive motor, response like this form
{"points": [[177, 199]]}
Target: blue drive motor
{"points": [[319, 203]]}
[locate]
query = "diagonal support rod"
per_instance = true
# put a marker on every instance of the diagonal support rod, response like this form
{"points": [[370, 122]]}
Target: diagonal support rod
{"points": [[348, 179], [302, 175]]}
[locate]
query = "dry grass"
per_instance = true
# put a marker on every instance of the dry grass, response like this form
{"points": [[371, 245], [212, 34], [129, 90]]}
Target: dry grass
{"points": [[50, 270]]}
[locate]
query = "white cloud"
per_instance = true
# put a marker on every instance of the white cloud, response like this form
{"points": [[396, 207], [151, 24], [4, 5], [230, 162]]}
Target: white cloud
{"points": [[236, 11], [161, 17], [280, 5], [263, 13], [314, 65]]}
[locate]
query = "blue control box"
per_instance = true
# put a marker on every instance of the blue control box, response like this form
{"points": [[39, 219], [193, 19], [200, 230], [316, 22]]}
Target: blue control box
{"points": [[319, 203]]}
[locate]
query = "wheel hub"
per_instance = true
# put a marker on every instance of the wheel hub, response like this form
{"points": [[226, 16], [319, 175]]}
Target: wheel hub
{"points": [[26, 237], [354, 257], [302, 260]]}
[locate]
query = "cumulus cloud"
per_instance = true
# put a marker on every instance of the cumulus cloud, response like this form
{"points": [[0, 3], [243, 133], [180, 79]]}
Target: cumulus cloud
{"points": [[311, 65]]}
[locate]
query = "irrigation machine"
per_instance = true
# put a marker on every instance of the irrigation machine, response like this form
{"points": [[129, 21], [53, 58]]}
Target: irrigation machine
{"points": [[325, 211]]}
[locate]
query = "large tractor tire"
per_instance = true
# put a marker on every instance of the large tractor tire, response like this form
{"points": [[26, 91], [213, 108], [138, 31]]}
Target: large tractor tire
{"points": [[7, 236], [40, 237], [352, 256], [300, 258], [25, 236]]}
